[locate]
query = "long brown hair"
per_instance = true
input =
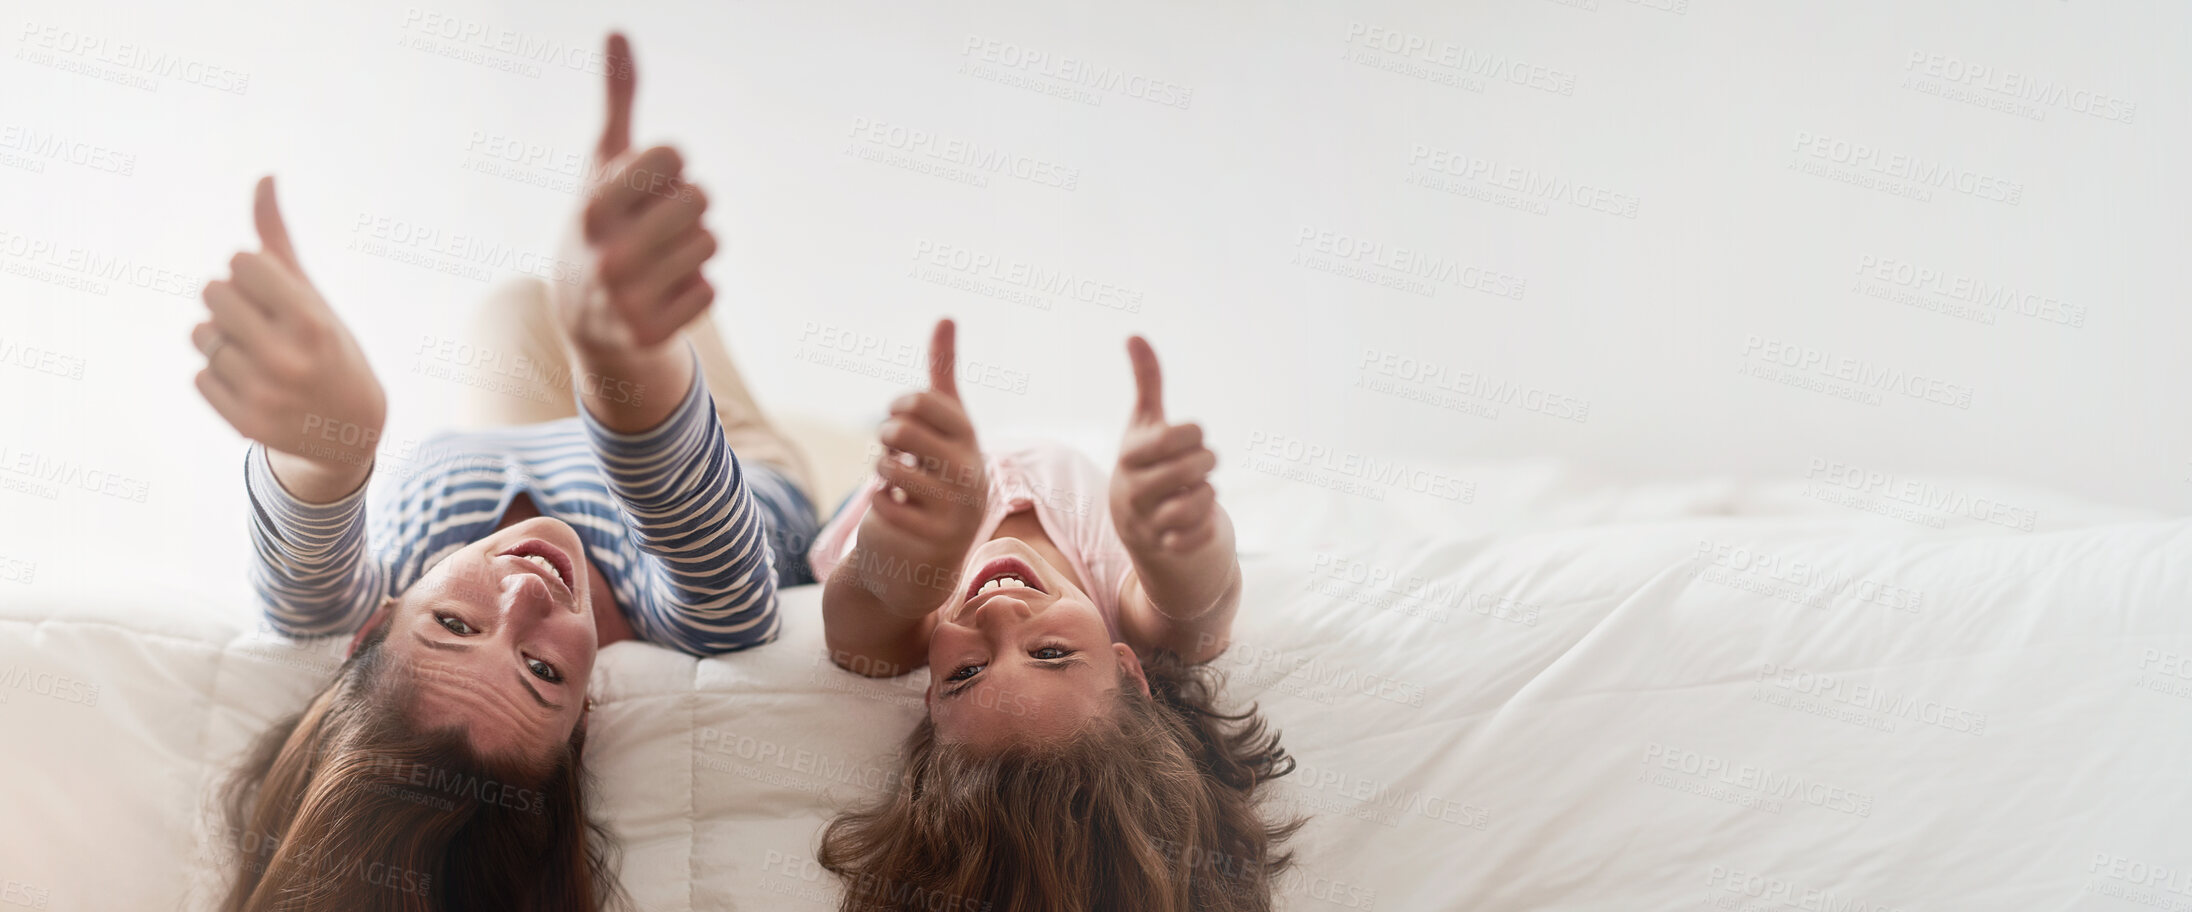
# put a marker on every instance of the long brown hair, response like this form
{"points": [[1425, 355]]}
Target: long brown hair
{"points": [[349, 805], [1154, 808]]}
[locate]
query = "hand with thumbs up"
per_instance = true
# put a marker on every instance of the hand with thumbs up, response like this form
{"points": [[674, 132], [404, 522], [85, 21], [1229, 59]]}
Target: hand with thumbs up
{"points": [[283, 370], [935, 491], [1187, 579], [1161, 498], [640, 244]]}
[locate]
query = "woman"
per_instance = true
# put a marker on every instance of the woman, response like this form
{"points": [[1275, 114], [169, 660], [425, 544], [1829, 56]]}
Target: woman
{"points": [[1073, 757], [443, 767]]}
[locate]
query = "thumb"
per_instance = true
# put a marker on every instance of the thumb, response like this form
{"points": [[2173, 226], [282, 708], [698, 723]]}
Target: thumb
{"points": [[1148, 382], [273, 235], [943, 357], [623, 79]]}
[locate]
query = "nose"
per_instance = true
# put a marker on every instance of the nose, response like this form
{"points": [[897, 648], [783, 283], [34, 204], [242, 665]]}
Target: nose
{"points": [[1001, 611], [528, 600]]}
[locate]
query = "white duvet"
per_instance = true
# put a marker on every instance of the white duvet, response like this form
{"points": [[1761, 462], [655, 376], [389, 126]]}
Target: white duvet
{"points": [[1545, 694]]}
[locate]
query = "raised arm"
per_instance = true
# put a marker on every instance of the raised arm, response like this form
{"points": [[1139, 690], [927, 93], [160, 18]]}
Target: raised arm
{"points": [[877, 606], [283, 371], [641, 245], [1186, 584], [707, 584]]}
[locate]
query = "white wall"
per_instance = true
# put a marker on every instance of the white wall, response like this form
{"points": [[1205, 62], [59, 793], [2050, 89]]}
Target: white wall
{"points": [[1295, 124]]}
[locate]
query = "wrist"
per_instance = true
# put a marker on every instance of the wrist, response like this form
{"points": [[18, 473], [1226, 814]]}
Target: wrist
{"points": [[614, 361], [630, 390], [1188, 584], [910, 589], [319, 481], [906, 582]]}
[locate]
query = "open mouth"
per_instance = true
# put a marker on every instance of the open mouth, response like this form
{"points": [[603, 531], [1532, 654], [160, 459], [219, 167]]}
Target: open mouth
{"points": [[1003, 573], [549, 558]]}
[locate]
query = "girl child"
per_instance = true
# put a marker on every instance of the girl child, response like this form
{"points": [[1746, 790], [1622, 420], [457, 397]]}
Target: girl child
{"points": [[1072, 756]]}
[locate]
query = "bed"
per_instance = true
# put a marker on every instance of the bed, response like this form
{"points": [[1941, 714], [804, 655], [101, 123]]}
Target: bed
{"points": [[1531, 689]]}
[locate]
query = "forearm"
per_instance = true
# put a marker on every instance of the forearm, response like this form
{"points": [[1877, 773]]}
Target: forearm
{"points": [[312, 574], [632, 391], [904, 582], [863, 635], [315, 482], [1202, 585], [707, 585]]}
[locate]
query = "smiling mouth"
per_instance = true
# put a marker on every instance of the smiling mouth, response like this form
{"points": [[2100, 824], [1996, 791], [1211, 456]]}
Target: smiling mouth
{"points": [[1009, 575], [549, 558], [1004, 573]]}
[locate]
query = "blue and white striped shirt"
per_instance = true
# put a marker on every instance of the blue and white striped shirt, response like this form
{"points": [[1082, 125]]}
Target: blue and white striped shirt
{"points": [[685, 535]]}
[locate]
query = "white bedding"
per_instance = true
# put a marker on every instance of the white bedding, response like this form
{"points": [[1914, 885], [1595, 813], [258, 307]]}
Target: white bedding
{"points": [[1560, 694]]}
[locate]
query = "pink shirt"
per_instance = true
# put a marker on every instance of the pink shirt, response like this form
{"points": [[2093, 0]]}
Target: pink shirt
{"points": [[1070, 497]]}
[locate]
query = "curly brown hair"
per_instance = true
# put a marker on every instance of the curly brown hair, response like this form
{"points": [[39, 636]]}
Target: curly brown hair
{"points": [[349, 805], [1154, 808]]}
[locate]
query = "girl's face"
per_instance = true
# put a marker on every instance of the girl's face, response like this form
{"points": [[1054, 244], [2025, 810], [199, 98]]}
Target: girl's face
{"points": [[499, 639], [1020, 654]]}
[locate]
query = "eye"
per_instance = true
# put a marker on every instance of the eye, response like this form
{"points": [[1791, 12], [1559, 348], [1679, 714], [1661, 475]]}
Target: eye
{"points": [[544, 671], [455, 625], [965, 672], [1051, 653]]}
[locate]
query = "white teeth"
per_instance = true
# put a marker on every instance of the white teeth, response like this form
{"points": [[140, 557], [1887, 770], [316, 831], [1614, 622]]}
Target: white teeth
{"points": [[545, 564], [1002, 582]]}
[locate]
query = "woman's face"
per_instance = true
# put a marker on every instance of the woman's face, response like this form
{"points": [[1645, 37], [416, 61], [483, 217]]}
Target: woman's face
{"points": [[1020, 653], [499, 640]]}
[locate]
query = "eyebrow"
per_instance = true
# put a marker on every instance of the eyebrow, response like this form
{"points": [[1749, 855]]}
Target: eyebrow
{"points": [[438, 644], [467, 647], [537, 698]]}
